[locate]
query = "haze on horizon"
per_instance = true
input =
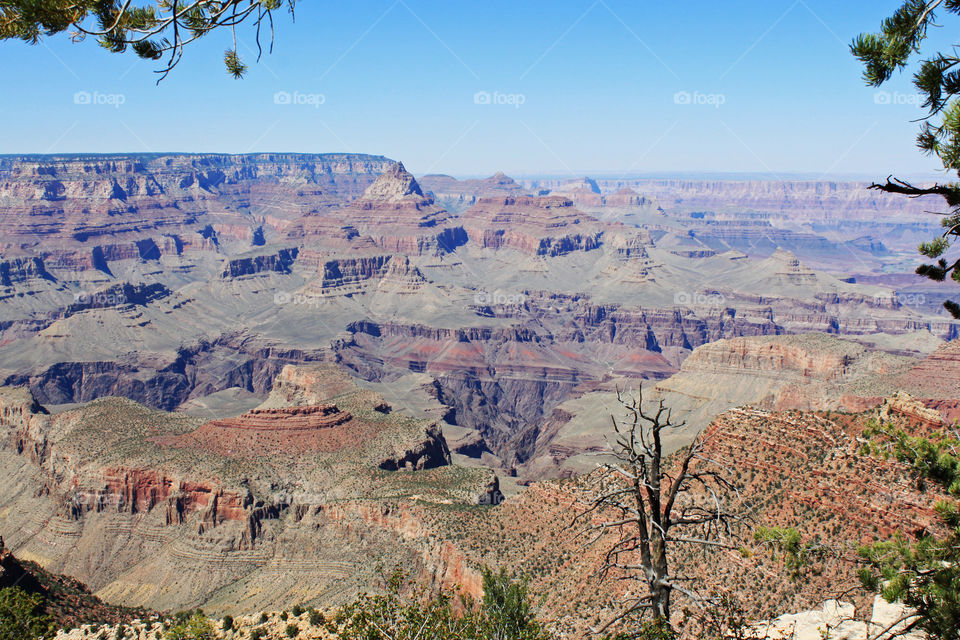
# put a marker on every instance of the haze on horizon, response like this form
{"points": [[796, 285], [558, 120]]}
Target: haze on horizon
{"points": [[561, 88]]}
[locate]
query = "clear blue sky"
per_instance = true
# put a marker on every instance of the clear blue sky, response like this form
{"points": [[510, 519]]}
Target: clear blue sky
{"points": [[598, 82]]}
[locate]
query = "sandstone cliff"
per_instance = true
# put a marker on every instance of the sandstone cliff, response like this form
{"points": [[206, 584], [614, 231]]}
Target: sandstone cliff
{"points": [[277, 505]]}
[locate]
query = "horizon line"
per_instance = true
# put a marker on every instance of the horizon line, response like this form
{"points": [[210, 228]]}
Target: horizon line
{"points": [[528, 175]]}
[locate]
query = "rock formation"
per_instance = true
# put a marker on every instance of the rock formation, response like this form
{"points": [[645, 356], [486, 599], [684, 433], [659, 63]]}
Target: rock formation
{"points": [[459, 194], [148, 206], [838, 621], [210, 504], [545, 226], [393, 213]]}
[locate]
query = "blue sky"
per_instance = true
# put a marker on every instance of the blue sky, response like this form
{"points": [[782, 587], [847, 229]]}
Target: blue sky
{"points": [[575, 87]]}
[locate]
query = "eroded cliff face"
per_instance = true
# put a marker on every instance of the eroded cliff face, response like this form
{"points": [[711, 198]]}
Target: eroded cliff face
{"points": [[392, 215], [512, 307], [352, 276], [281, 261], [546, 226], [505, 384], [809, 372], [460, 194], [165, 381], [809, 199], [173, 527], [83, 212], [284, 503]]}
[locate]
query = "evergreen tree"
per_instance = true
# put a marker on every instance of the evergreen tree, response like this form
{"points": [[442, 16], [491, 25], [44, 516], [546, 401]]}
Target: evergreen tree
{"points": [[924, 575], [937, 77], [22, 616], [154, 31], [195, 627]]}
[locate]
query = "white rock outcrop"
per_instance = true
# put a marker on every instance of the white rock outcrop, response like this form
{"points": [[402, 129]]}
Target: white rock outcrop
{"points": [[837, 621]]}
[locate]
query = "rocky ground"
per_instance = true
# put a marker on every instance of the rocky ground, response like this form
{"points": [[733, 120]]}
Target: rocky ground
{"points": [[270, 625]]}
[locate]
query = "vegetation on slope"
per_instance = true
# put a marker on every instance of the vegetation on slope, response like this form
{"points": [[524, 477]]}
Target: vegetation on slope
{"points": [[923, 574], [504, 613], [34, 603]]}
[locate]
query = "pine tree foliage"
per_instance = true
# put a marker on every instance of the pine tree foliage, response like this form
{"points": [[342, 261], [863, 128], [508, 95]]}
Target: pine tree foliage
{"points": [[925, 574], [937, 78], [159, 30], [22, 616]]}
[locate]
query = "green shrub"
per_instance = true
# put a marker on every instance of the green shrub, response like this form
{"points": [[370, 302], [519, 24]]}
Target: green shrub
{"points": [[297, 611], [263, 618], [257, 634], [506, 611], [22, 616], [284, 615], [658, 629], [292, 630], [196, 627], [504, 614], [227, 623], [316, 618]]}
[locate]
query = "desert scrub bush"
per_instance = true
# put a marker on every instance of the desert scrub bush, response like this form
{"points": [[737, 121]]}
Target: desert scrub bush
{"points": [[292, 630], [316, 618], [196, 627], [505, 613], [227, 623], [22, 616], [257, 634], [297, 611], [263, 618]]}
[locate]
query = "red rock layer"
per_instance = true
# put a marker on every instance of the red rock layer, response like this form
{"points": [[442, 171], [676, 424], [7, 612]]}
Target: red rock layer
{"points": [[284, 432], [322, 416], [135, 490]]}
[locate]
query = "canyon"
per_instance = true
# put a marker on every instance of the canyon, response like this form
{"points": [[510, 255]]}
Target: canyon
{"points": [[247, 381], [106, 493], [191, 280]]}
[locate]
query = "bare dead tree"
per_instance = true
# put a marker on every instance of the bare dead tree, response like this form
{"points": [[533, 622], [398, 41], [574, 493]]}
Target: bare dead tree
{"points": [[653, 504]]}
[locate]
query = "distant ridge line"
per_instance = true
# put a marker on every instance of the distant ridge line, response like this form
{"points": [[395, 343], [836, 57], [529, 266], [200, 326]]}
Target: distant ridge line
{"points": [[163, 154]]}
